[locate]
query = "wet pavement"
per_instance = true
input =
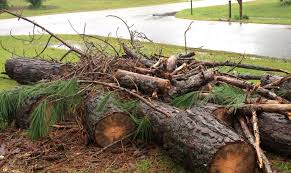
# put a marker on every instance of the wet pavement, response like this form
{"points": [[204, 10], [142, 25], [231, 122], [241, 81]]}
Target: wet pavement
{"points": [[259, 39]]}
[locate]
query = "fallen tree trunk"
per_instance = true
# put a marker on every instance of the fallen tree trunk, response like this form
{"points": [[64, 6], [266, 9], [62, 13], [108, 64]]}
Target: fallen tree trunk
{"points": [[275, 132], [107, 124], [199, 141], [26, 71]]}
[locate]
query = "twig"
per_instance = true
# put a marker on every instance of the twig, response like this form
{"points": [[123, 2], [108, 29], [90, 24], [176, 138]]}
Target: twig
{"points": [[257, 137], [129, 92], [128, 28], [185, 36], [248, 135], [246, 66]]}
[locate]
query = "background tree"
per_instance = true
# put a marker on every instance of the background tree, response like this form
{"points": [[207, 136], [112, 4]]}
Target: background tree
{"points": [[240, 8], [35, 3], [3, 4]]}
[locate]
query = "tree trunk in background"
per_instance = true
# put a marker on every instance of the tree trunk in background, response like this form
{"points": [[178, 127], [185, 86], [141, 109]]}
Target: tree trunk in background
{"points": [[199, 141], [240, 8]]}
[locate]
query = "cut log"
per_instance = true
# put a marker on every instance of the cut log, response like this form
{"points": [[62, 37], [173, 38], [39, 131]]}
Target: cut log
{"points": [[171, 63], [281, 85], [200, 142], [144, 83], [194, 83], [275, 133], [109, 125], [26, 71]]}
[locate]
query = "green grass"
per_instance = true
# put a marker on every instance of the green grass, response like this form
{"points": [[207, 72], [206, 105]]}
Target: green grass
{"points": [[65, 6], [259, 11]]}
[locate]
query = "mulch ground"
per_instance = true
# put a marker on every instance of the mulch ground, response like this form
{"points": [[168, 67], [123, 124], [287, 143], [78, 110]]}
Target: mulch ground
{"points": [[65, 150]]}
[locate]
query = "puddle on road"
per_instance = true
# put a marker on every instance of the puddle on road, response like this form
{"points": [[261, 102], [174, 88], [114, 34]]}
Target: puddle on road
{"points": [[63, 47]]}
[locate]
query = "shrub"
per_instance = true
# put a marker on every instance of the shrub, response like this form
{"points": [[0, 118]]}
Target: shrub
{"points": [[285, 2], [3, 4], [244, 17], [35, 3]]}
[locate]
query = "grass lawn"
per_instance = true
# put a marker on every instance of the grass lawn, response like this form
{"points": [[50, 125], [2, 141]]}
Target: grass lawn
{"points": [[259, 11], [66, 6], [149, 164]]}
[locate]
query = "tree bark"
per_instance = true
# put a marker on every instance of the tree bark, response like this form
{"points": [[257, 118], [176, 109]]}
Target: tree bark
{"points": [[193, 83], [221, 113], [108, 126], [275, 133], [240, 8], [26, 71], [145, 83], [200, 142], [283, 87]]}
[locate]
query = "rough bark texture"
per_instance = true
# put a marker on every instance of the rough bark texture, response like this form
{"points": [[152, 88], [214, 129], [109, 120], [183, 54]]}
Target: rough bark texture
{"points": [[219, 112], [147, 84], [26, 71], [275, 132], [284, 89], [107, 126], [193, 83], [200, 142], [22, 115]]}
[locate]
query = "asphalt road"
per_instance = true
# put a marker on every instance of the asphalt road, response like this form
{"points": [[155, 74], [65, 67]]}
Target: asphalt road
{"points": [[259, 39]]}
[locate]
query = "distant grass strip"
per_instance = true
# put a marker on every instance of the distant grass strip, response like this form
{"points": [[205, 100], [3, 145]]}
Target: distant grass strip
{"points": [[66, 6], [259, 11]]}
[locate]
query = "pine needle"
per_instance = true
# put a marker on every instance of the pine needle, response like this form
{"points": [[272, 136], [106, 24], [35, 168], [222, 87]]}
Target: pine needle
{"points": [[101, 107], [56, 99], [187, 100], [227, 95]]}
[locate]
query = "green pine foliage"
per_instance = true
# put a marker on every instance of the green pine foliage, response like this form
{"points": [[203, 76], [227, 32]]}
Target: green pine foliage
{"points": [[144, 127], [56, 99], [187, 100], [228, 95], [103, 104], [223, 94]]}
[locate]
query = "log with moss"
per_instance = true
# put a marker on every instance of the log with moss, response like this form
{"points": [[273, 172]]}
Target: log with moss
{"points": [[26, 71], [199, 141]]}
